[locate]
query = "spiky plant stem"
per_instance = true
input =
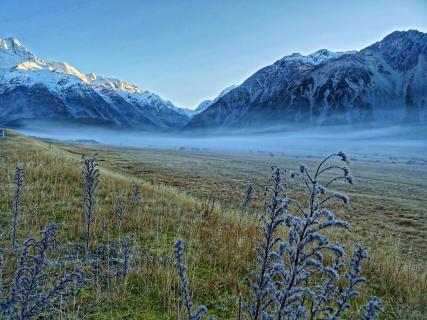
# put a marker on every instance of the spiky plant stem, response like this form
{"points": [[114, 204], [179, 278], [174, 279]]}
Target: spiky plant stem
{"points": [[17, 204], [90, 188], [178, 249]]}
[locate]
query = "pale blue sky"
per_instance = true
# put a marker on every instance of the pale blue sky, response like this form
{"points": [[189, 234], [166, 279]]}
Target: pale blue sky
{"points": [[187, 51]]}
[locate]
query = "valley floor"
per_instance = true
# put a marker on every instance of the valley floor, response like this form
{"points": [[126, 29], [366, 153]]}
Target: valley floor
{"points": [[388, 198], [387, 214]]}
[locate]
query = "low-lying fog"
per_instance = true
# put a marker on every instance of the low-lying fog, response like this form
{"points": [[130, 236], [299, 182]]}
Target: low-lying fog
{"points": [[384, 140]]}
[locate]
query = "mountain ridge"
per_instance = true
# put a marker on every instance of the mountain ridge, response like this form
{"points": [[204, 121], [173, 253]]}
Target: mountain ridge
{"points": [[31, 87], [385, 81]]}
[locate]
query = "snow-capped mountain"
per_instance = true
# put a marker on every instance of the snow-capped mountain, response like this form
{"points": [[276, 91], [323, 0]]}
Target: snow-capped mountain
{"points": [[207, 103], [385, 82], [33, 88]]}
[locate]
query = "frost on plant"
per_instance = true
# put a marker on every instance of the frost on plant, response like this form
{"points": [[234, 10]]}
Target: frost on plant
{"points": [[135, 194], [261, 283], [120, 210], [32, 291], [124, 243], [178, 249], [304, 275], [245, 207], [17, 203], [90, 188], [111, 261]]}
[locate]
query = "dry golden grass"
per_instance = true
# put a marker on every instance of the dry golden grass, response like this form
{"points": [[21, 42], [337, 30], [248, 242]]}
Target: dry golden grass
{"points": [[175, 203], [387, 201]]}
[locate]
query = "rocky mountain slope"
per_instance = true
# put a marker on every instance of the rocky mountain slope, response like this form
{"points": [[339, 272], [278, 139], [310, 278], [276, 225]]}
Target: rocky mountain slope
{"points": [[33, 88], [207, 103], [385, 82]]}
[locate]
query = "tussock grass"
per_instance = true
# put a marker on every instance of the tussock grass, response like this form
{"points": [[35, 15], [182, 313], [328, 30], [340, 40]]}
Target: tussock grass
{"points": [[218, 246]]}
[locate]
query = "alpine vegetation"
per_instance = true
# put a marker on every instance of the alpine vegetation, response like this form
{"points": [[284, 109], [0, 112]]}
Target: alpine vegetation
{"points": [[90, 187], [134, 198], [261, 283], [17, 203], [305, 276], [124, 244], [31, 290], [178, 249], [120, 211], [34, 213], [280, 261], [245, 207], [109, 262]]}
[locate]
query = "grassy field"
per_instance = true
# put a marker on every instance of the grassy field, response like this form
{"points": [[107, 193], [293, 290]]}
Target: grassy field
{"points": [[387, 214]]}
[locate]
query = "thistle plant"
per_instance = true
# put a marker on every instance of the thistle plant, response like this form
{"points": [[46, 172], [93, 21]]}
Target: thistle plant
{"points": [[123, 271], [245, 207], [222, 209], [32, 292], [17, 204], [34, 213], [110, 261], [134, 197], [261, 283], [90, 187], [1, 273], [298, 277], [178, 249], [120, 210], [104, 261]]}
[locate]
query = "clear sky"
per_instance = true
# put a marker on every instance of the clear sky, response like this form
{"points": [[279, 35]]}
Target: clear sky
{"points": [[187, 51]]}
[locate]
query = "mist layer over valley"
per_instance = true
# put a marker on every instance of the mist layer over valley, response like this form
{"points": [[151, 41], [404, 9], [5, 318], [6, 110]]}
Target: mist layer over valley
{"points": [[388, 140]]}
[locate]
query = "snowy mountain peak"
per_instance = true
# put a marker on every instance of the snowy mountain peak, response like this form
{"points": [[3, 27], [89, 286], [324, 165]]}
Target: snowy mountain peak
{"points": [[324, 54], [401, 49], [62, 91], [13, 52], [383, 83], [207, 103], [14, 55], [414, 35], [226, 90], [316, 57], [13, 45], [115, 84]]}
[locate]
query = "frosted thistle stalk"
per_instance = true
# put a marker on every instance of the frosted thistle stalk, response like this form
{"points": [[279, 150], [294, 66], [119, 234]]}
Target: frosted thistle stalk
{"points": [[17, 204], [90, 187], [134, 198], [178, 249], [247, 201], [261, 283], [285, 284], [124, 242], [32, 291]]}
